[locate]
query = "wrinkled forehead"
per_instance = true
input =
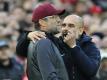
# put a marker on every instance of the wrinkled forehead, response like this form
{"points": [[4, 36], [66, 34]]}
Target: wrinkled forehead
{"points": [[76, 20], [69, 20]]}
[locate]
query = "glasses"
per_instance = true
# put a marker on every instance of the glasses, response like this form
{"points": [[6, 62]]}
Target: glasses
{"points": [[50, 17], [69, 25]]}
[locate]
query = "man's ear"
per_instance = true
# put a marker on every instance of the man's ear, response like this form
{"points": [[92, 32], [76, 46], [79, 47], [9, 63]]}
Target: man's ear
{"points": [[42, 23], [81, 30]]}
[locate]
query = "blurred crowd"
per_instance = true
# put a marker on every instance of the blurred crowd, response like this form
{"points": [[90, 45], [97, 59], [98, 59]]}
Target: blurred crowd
{"points": [[15, 17]]}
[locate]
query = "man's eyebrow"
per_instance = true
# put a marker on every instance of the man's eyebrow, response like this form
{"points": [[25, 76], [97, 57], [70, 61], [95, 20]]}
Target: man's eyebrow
{"points": [[68, 23]]}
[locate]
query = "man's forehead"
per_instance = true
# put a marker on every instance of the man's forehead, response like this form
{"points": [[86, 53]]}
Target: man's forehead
{"points": [[69, 20], [74, 19]]}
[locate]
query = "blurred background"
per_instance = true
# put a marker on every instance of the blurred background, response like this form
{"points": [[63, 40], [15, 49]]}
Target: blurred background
{"points": [[15, 17]]}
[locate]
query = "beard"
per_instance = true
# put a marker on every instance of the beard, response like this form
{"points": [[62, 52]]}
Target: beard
{"points": [[54, 30]]}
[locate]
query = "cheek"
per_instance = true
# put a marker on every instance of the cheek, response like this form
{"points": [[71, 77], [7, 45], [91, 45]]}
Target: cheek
{"points": [[76, 32], [59, 28], [73, 30], [51, 22], [62, 29], [54, 22]]}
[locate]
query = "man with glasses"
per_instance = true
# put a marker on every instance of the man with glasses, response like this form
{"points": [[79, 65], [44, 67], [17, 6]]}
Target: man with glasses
{"points": [[41, 11], [44, 60]]}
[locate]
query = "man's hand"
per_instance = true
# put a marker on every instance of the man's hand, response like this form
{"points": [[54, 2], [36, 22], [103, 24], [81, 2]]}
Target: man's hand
{"points": [[36, 35], [70, 38]]}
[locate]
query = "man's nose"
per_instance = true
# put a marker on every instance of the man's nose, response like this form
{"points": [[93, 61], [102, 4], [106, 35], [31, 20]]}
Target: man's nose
{"points": [[59, 22], [65, 28]]}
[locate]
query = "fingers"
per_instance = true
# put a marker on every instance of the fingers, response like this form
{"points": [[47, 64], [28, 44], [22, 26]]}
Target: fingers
{"points": [[33, 40], [36, 35], [69, 37], [40, 34]]}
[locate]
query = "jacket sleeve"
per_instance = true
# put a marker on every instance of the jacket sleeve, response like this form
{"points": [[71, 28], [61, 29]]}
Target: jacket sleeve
{"points": [[87, 60], [45, 54], [22, 45]]}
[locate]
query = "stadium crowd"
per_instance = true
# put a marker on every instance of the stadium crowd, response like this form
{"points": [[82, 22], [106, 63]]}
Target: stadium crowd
{"points": [[16, 17]]}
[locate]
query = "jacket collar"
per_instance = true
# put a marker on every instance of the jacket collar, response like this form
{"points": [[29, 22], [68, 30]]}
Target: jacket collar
{"points": [[83, 39]]}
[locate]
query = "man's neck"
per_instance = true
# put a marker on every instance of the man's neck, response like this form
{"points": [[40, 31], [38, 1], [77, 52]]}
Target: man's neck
{"points": [[71, 44]]}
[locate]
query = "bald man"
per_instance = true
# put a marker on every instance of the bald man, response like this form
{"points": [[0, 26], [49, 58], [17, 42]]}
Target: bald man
{"points": [[80, 55]]}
